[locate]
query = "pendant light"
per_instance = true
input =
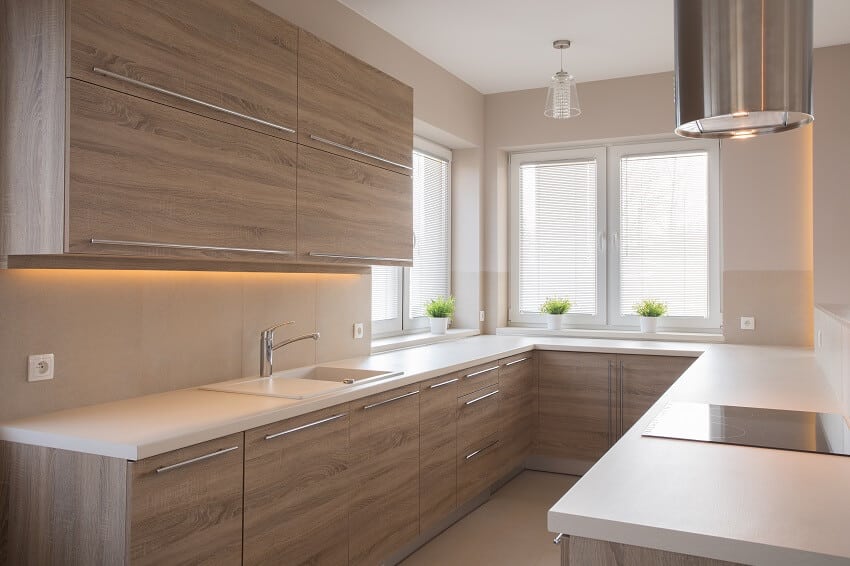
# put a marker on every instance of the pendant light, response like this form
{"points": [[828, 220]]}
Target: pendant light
{"points": [[562, 97], [743, 67]]}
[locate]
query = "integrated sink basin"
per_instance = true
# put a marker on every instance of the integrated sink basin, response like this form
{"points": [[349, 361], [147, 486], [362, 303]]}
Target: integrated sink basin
{"points": [[301, 383]]}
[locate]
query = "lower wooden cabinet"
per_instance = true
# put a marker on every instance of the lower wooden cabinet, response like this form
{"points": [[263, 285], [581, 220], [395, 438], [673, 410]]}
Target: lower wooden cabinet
{"points": [[516, 410], [385, 474], [643, 380], [478, 442], [185, 506], [437, 450], [298, 490]]}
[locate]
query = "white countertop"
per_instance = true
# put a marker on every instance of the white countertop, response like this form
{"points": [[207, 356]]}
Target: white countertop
{"points": [[839, 312], [741, 504], [146, 426]]}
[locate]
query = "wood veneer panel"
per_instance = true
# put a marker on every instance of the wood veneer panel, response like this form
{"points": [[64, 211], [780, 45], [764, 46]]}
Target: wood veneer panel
{"points": [[516, 410], [585, 551], [644, 380], [437, 450]]}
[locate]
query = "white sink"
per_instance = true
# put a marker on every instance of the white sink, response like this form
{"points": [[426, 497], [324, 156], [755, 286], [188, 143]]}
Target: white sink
{"points": [[300, 383]]}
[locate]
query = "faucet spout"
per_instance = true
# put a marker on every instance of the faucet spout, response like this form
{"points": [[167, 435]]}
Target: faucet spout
{"points": [[312, 335], [267, 346]]}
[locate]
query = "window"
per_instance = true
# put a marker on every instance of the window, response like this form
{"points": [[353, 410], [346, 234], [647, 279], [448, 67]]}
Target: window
{"points": [[608, 226], [399, 294]]}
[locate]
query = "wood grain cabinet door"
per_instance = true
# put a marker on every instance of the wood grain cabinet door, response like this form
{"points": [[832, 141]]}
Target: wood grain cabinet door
{"points": [[297, 490], [516, 410], [642, 381], [350, 211], [185, 506], [576, 408], [352, 109], [229, 54], [437, 450], [145, 172], [478, 442], [385, 470]]}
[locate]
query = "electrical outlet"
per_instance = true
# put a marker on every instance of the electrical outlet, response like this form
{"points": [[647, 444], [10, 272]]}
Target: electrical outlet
{"points": [[358, 330], [40, 367], [748, 323], [480, 316]]}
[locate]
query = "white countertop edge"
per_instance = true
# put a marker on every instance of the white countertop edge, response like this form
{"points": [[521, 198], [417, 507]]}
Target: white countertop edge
{"points": [[392, 343], [841, 313], [697, 544], [592, 334]]}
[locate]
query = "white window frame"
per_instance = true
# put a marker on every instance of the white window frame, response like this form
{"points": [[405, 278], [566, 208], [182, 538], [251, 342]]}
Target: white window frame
{"points": [[679, 323], [403, 323], [554, 156], [608, 154]]}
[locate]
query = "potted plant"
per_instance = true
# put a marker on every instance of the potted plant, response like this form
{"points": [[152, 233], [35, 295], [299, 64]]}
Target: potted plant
{"points": [[439, 311], [649, 310], [555, 308]]}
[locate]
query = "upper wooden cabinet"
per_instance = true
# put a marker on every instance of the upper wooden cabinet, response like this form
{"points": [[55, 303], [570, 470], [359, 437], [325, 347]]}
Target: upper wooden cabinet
{"points": [[352, 109], [227, 59]]}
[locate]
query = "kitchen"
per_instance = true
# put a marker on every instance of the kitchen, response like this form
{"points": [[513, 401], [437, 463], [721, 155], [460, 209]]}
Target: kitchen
{"points": [[135, 331]]}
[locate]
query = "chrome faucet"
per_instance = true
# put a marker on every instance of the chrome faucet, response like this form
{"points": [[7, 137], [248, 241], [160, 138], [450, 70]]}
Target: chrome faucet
{"points": [[267, 346]]}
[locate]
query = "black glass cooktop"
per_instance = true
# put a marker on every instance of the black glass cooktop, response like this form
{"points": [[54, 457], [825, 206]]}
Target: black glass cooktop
{"points": [[802, 431]]}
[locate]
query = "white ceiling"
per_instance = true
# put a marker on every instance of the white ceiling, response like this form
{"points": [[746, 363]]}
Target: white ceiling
{"points": [[504, 45]]}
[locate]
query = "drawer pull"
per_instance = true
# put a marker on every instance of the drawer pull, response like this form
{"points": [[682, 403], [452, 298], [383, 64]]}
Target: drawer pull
{"points": [[362, 257], [560, 537], [516, 361], [198, 459], [379, 403], [185, 247], [436, 385], [302, 427], [166, 92], [359, 152], [480, 450], [482, 371], [477, 399]]}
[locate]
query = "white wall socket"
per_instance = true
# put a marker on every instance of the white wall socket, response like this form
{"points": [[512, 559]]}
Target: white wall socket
{"points": [[748, 323], [480, 316], [40, 367], [358, 330]]}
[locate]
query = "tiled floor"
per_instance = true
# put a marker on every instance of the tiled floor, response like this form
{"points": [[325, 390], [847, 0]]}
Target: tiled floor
{"points": [[508, 530]]}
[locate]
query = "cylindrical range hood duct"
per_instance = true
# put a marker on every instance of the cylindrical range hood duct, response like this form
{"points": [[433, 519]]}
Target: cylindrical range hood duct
{"points": [[743, 67]]}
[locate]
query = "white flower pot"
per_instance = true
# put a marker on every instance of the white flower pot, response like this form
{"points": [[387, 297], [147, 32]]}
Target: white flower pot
{"points": [[648, 324], [439, 325], [554, 321]]}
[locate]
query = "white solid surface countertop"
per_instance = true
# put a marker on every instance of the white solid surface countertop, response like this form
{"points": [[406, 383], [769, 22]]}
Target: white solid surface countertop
{"points": [[735, 503], [140, 427]]}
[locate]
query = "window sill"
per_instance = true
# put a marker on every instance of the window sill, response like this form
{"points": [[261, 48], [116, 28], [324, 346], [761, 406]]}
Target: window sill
{"points": [[421, 339], [614, 334]]}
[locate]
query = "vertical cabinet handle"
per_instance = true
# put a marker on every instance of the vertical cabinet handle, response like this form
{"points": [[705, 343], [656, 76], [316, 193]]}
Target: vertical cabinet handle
{"points": [[620, 379], [610, 401]]}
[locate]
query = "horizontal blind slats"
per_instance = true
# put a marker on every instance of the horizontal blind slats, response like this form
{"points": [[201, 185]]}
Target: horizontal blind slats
{"points": [[429, 276]]}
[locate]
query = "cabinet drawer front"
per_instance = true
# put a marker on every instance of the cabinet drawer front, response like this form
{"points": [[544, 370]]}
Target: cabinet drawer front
{"points": [[186, 505], [347, 208], [145, 172], [477, 468], [516, 409], [478, 417], [231, 54], [298, 490], [478, 377], [437, 449], [346, 102]]}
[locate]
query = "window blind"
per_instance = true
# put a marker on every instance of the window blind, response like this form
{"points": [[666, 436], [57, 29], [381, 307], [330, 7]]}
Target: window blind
{"points": [[557, 234], [664, 243], [386, 294], [429, 276]]}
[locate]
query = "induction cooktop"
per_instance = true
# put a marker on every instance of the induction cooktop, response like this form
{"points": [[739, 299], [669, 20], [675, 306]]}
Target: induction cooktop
{"points": [[801, 431]]}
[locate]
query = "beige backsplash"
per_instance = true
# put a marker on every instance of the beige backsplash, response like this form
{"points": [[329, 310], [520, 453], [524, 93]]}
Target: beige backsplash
{"points": [[119, 334]]}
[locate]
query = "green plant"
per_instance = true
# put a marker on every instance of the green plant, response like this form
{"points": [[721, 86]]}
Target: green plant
{"points": [[650, 307], [555, 305], [441, 307]]}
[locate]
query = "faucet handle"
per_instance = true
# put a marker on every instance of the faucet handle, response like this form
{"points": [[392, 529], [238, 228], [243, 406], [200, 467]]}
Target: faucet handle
{"points": [[276, 326]]}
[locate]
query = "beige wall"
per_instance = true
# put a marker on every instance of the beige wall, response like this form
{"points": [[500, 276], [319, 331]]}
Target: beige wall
{"points": [[832, 174], [766, 194]]}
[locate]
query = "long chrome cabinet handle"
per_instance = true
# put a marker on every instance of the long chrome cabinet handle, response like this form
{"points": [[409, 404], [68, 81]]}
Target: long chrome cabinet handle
{"points": [[302, 427], [477, 399], [436, 385], [480, 450], [482, 371], [379, 403], [171, 93], [359, 152], [363, 257], [517, 361], [186, 247], [198, 459], [610, 401], [560, 537]]}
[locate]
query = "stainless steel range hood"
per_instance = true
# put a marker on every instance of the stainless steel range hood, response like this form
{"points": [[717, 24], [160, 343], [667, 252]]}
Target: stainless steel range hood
{"points": [[743, 67]]}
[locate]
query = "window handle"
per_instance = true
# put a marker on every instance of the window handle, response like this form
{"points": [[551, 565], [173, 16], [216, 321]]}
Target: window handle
{"points": [[602, 238], [615, 240]]}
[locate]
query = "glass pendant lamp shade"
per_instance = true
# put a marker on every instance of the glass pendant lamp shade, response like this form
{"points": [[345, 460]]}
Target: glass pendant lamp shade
{"points": [[562, 97]]}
